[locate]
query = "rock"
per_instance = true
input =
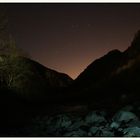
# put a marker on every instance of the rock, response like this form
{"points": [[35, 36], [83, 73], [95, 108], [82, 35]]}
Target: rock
{"points": [[76, 124], [93, 130], [133, 123], [94, 118], [100, 131], [132, 132], [106, 133], [76, 133], [51, 126], [58, 123], [124, 116], [115, 125]]}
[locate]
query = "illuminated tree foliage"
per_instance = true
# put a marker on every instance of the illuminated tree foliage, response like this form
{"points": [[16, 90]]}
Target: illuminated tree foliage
{"points": [[10, 54]]}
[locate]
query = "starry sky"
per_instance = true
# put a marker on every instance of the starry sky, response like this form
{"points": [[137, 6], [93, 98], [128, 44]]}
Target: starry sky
{"points": [[68, 37]]}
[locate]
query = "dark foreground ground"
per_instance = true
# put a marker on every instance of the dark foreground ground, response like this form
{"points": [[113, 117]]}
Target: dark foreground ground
{"points": [[71, 121]]}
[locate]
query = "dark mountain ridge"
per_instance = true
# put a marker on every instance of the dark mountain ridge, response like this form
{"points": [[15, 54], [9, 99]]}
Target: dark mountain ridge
{"points": [[111, 79], [99, 69], [104, 66], [30, 79]]}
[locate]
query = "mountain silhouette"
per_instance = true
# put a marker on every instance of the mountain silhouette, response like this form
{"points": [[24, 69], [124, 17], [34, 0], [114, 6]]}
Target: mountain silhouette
{"points": [[113, 78], [29, 79], [99, 69], [104, 66]]}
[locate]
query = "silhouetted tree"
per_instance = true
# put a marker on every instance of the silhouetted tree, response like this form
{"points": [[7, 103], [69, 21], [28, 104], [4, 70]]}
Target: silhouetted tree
{"points": [[9, 53]]}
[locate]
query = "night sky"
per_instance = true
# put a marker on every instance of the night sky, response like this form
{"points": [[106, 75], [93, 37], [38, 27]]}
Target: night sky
{"points": [[68, 37]]}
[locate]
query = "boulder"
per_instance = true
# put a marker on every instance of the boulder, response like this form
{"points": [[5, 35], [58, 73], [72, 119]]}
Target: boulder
{"points": [[94, 118], [132, 132], [76, 133], [124, 116]]}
